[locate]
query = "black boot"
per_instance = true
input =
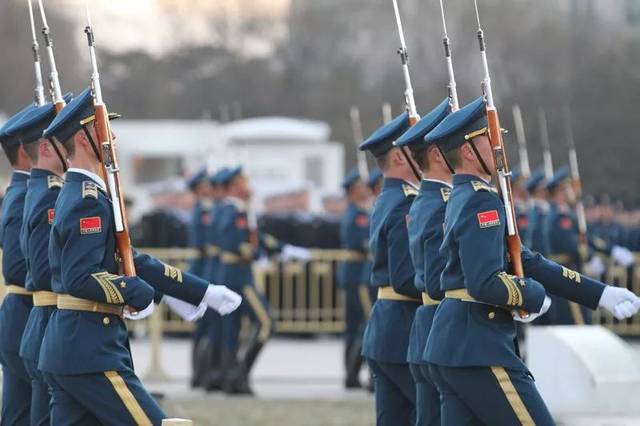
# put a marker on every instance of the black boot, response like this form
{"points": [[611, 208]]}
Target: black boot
{"points": [[200, 361], [234, 378], [354, 363]]}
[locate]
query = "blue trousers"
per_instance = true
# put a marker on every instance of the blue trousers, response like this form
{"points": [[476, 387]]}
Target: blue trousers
{"points": [[427, 396], [256, 308], [110, 398], [395, 393], [40, 395], [16, 391], [489, 396]]}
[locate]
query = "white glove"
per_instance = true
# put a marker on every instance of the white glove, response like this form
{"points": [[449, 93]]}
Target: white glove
{"points": [[595, 267], [186, 311], [623, 256], [290, 252], [221, 299], [619, 301], [532, 315], [128, 314]]}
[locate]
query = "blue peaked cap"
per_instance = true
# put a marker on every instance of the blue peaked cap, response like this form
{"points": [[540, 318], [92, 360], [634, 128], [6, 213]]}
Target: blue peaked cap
{"points": [[516, 174], [31, 125], [460, 126], [536, 178], [215, 179], [350, 178], [374, 177], [197, 178], [8, 139], [229, 174], [560, 176], [76, 114], [414, 138], [382, 139]]}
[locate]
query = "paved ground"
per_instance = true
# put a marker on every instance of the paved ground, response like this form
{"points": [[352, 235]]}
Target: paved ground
{"points": [[297, 382]]}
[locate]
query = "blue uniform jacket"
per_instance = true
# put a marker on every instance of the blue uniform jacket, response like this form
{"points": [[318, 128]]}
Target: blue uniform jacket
{"points": [[482, 333], [386, 338], [354, 237], [39, 212], [15, 309], [236, 252], [426, 219], [534, 237], [200, 221], [83, 265], [213, 241]]}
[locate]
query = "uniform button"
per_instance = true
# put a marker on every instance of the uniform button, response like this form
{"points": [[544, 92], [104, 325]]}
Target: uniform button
{"points": [[492, 315], [106, 321]]}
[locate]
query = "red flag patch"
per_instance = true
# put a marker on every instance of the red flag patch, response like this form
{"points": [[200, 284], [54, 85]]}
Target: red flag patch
{"points": [[566, 223], [90, 225], [488, 219], [205, 218], [51, 214], [241, 222], [362, 220]]}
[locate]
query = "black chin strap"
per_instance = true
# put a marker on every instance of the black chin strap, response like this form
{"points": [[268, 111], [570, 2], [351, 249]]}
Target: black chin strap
{"points": [[59, 154], [93, 145], [482, 163], [445, 160]]}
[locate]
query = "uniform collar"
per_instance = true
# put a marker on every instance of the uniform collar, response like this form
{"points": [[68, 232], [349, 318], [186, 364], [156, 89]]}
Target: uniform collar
{"points": [[40, 173], [427, 184], [20, 176], [459, 179], [395, 183], [94, 177]]}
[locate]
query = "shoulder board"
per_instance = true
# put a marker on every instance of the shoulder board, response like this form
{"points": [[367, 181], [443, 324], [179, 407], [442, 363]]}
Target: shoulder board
{"points": [[445, 192], [409, 191], [54, 181], [89, 189], [482, 186]]}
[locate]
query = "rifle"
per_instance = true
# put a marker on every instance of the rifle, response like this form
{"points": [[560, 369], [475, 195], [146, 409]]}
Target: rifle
{"points": [[109, 160], [451, 87], [35, 48], [356, 126], [409, 99], [387, 114], [546, 146], [58, 100], [503, 175], [577, 186], [522, 142]]}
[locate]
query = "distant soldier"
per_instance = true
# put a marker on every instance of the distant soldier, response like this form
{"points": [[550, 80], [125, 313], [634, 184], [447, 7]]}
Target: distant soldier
{"points": [[198, 184], [354, 271], [521, 201], [386, 337], [16, 383], [374, 182], [425, 223], [471, 348], [534, 235]]}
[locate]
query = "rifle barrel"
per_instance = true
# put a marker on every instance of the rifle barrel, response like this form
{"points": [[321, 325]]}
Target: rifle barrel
{"points": [[546, 145], [35, 48], [356, 126], [58, 99], [522, 141], [451, 87]]}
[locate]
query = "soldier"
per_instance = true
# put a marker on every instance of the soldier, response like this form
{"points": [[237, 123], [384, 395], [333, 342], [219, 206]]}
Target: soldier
{"points": [[560, 231], [42, 191], [425, 220], [521, 201], [374, 182], [85, 354], [353, 272], [386, 337], [16, 383], [471, 347], [534, 237], [198, 184]]}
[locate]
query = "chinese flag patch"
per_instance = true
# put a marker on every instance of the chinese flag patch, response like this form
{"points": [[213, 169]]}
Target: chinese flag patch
{"points": [[488, 219], [51, 214], [90, 225], [204, 218], [241, 222], [362, 220], [566, 223]]}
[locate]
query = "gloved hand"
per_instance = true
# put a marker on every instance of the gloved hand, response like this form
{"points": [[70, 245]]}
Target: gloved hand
{"points": [[221, 299], [623, 256], [595, 266], [186, 311], [129, 314], [619, 301], [532, 315], [290, 252]]}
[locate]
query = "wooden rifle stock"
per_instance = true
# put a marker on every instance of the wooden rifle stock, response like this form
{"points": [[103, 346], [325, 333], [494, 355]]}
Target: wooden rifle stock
{"points": [[123, 242]]}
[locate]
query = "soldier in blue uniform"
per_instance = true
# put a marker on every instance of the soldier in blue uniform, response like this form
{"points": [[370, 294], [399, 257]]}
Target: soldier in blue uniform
{"points": [[42, 190], [471, 347], [16, 383], [520, 200], [353, 272], [200, 221], [386, 337], [425, 220], [534, 236], [85, 355]]}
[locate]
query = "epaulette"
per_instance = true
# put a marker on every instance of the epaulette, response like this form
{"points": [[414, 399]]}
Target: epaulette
{"points": [[89, 189], [409, 191], [445, 192], [54, 181], [482, 186]]}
